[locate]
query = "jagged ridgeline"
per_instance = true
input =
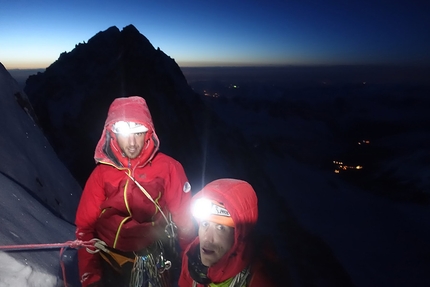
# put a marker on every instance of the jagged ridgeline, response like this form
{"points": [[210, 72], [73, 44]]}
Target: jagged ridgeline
{"points": [[72, 96]]}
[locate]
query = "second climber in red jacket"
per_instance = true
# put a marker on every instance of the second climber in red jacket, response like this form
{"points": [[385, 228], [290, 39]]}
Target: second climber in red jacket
{"points": [[227, 252], [130, 201]]}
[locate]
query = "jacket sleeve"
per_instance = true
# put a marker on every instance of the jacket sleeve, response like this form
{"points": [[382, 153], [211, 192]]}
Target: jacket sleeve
{"points": [[178, 198], [88, 212]]}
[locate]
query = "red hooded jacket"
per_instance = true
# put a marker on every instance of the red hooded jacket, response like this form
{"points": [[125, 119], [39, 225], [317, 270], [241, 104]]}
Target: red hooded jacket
{"points": [[114, 209], [240, 200]]}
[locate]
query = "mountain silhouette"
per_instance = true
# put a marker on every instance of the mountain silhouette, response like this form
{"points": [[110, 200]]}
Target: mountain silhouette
{"points": [[72, 96]]}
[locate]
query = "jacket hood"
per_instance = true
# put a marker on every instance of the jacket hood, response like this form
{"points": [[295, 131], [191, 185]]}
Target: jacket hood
{"points": [[128, 109], [241, 202]]}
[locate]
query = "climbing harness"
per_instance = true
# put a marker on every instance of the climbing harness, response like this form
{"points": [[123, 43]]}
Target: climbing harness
{"points": [[149, 264]]}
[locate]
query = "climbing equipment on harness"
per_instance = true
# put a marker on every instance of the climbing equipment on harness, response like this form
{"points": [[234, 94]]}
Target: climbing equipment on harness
{"points": [[240, 279], [171, 228], [149, 267], [149, 264]]}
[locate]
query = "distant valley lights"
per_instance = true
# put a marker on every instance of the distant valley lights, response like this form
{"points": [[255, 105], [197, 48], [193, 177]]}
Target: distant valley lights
{"points": [[340, 166]]}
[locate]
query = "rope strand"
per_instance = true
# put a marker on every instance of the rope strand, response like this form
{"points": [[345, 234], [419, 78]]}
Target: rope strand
{"points": [[93, 245]]}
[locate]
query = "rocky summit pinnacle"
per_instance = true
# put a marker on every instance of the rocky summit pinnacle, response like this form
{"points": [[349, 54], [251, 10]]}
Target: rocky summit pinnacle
{"points": [[72, 96]]}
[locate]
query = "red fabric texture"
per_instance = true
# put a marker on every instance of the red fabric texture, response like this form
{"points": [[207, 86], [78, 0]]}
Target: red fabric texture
{"points": [[240, 200], [114, 209]]}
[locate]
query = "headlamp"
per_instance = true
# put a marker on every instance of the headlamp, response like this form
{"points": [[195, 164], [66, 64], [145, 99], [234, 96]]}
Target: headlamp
{"points": [[206, 209], [126, 128], [202, 208]]}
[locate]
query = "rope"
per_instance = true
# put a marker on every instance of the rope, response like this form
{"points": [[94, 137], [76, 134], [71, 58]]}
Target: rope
{"points": [[92, 246], [148, 196], [171, 227], [72, 244]]}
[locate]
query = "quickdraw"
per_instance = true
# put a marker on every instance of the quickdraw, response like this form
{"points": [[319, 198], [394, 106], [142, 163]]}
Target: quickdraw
{"points": [[148, 269]]}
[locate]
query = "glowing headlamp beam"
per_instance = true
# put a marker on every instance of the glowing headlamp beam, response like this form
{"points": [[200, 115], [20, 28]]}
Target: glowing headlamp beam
{"points": [[126, 128], [202, 208]]}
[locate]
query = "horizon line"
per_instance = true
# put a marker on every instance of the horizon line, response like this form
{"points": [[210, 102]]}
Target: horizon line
{"points": [[276, 66]]}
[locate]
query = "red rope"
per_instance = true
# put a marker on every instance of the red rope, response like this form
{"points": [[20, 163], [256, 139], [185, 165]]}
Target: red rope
{"points": [[72, 244]]}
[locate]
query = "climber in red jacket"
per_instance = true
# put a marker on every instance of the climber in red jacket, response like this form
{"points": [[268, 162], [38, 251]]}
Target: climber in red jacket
{"points": [[134, 201], [226, 252]]}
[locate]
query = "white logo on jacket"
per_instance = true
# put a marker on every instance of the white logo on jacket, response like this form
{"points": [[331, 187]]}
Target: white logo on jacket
{"points": [[187, 187]]}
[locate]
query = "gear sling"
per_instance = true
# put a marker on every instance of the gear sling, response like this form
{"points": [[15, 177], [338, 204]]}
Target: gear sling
{"points": [[149, 264]]}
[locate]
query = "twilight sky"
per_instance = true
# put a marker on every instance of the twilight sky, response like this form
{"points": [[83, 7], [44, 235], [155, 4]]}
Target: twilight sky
{"points": [[223, 33]]}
